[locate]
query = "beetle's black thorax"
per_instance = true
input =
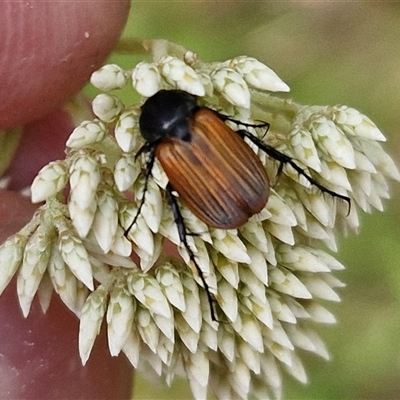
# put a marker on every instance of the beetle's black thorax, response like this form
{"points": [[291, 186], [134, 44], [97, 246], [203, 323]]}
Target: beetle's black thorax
{"points": [[167, 114]]}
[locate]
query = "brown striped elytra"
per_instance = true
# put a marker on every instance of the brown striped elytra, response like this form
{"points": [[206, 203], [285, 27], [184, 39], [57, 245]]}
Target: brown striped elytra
{"points": [[217, 175]]}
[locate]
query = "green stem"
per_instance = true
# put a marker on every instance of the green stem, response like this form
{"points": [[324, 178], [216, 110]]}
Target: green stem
{"points": [[131, 46], [279, 112], [9, 141]]}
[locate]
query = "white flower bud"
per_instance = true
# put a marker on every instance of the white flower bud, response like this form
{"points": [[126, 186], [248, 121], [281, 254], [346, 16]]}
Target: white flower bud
{"points": [[76, 257], [240, 378], [120, 313], [320, 314], [84, 179], [121, 245], [227, 299], [132, 346], [254, 233], [71, 291], [262, 311], [34, 264], [256, 286], [152, 209], [107, 107], [229, 244], [169, 279], [319, 288], [147, 290], [11, 253], [332, 141], [280, 211], [205, 80], [105, 221], [258, 264], [281, 310], [109, 77], [190, 57], [147, 260], [248, 329], [192, 314], [296, 368], [304, 148], [226, 341], [197, 369], [299, 258], [335, 174], [180, 76], [90, 321], [87, 133], [127, 130], [209, 328], [50, 180], [380, 159], [279, 337], [148, 330], [158, 175], [327, 259], [227, 268], [203, 262], [141, 235], [249, 356], [167, 327], [231, 86], [44, 293], [353, 122], [126, 171], [286, 282], [258, 75], [299, 338], [146, 79], [189, 337]]}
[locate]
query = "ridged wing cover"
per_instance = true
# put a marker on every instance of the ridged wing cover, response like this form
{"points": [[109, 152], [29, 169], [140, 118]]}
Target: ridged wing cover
{"points": [[217, 175]]}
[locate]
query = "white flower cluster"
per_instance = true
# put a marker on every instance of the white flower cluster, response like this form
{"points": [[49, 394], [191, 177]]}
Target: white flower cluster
{"points": [[268, 276]]}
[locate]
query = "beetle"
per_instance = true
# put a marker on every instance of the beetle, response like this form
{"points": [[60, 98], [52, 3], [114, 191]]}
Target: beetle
{"points": [[214, 171]]}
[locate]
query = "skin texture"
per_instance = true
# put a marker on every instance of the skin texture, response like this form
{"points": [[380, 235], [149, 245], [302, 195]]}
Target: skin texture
{"points": [[48, 51]]}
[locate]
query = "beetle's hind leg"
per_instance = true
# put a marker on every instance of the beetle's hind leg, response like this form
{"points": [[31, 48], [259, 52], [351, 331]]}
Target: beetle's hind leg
{"points": [[281, 157], [149, 168], [285, 159], [183, 234]]}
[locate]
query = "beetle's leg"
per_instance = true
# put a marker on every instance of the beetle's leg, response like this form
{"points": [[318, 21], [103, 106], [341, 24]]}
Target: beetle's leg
{"points": [[285, 159], [193, 234], [146, 148], [242, 132], [183, 238], [147, 175], [248, 125], [277, 155]]}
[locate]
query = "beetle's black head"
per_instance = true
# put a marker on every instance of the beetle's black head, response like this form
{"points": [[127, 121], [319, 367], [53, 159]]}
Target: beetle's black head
{"points": [[167, 114]]}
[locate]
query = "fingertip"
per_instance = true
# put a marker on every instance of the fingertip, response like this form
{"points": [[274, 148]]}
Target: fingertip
{"points": [[49, 50]]}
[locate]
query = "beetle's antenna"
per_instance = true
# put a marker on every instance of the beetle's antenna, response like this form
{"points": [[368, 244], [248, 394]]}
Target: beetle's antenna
{"points": [[147, 175], [182, 236], [285, 159]]}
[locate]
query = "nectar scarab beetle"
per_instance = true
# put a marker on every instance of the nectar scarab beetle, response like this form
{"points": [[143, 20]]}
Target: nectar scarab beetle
{"points": [[211, 167], [217, 175]]}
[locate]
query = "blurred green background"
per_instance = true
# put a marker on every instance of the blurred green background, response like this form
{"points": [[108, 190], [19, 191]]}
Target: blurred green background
{"points": [[328, 53]]}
